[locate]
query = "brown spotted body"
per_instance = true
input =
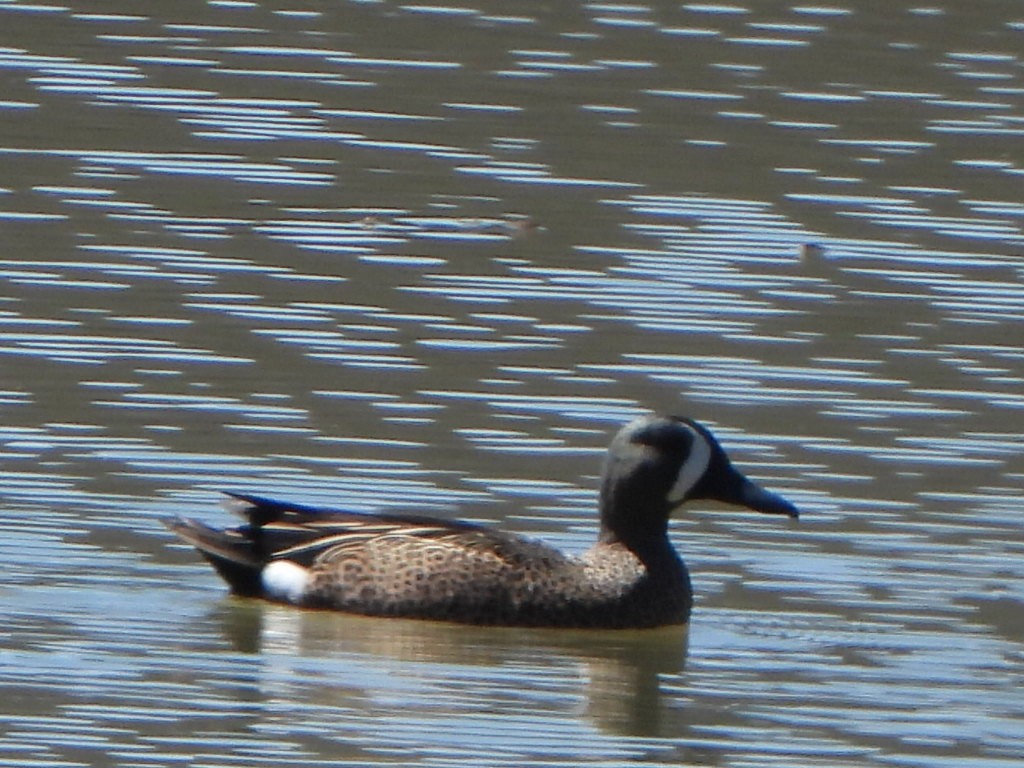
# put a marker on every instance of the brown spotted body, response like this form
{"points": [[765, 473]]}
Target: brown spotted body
{"points": [[395, 565], [481, 578]]}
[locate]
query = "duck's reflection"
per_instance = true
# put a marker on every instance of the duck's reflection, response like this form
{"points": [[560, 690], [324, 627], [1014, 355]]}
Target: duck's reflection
{"points": [[615, 675]]}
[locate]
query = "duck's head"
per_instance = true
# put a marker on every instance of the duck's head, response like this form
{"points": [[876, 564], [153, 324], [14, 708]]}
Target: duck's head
{"points": [[656, 463]]}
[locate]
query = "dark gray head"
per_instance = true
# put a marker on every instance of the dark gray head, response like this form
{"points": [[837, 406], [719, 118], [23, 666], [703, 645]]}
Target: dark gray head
{"points": [[656, 463]]}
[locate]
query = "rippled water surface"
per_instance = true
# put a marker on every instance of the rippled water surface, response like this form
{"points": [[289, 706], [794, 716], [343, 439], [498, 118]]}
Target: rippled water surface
{"points": [[428, 258]]}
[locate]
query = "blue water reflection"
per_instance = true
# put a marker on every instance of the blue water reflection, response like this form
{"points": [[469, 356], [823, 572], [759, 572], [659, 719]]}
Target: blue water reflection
{"points": [[427, 258]]}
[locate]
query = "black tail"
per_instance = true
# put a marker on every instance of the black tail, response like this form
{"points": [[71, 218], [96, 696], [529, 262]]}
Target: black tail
{"points": [[230, 552], [239, 554]]}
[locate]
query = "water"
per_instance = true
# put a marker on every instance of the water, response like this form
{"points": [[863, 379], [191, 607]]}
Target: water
{"points": [[428, 258]]}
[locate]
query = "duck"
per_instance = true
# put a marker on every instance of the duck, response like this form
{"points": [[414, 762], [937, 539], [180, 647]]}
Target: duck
{"points": [[418, 567]]}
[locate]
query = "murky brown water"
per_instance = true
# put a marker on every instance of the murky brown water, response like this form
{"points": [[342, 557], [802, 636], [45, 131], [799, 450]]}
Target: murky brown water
{"points": [[428, 258]]}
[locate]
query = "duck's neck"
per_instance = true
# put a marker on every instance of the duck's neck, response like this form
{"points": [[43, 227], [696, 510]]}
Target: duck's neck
{"points": [[634, 515], [630, 516], [652, 547]]}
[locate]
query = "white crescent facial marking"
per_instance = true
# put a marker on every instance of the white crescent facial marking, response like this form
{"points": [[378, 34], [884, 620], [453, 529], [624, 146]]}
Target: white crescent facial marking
{"points": [[693, 468], [285, 580]]}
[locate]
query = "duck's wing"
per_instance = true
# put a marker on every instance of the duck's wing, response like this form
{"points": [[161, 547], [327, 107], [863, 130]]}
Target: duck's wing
{"points": [[282, 530], [277, 530]]}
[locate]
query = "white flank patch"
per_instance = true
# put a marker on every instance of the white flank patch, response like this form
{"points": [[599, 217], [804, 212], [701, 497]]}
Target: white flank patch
{"points": [[285, 580], [693, 468]]}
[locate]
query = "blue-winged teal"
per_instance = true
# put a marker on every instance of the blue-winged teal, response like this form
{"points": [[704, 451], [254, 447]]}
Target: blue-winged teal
{"points": [[397, 565]]}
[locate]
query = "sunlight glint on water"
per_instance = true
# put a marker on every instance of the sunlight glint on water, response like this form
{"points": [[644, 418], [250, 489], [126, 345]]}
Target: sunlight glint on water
{"points": [[424, 258]]}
